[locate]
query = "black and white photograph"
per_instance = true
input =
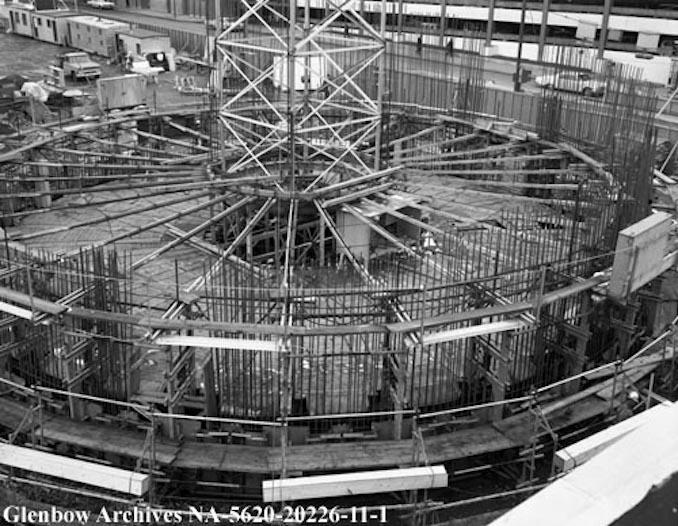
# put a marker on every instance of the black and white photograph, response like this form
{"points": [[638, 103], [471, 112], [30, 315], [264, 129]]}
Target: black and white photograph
{"points": [[341, 262]]}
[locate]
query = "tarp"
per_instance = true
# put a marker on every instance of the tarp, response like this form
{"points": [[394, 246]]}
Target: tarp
{"points": [[35, 91]]}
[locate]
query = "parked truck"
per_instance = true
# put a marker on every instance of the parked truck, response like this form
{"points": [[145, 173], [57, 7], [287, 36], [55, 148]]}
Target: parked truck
{"points": [[78, 66]]}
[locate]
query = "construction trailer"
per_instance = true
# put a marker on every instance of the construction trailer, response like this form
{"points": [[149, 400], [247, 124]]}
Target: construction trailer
{"points": [[143, 42], [51, 25], [94, 34], [20, 21]]}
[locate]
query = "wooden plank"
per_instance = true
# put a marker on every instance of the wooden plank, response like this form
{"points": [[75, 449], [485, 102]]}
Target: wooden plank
{"points": [[357, 180], [16, 311], [104, 438], [614, 388], [223, 457], [473, 330], [355, 196], [32, 302], [641, 254], [361, 483], [12, 413], [636, 363], [218, 343], [106, 477]]}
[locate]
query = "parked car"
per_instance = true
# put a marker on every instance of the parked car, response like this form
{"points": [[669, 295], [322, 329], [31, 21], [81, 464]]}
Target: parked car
{"points": [[101, 4], [578, 82]]}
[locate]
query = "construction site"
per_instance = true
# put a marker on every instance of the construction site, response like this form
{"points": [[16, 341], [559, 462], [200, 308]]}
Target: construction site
{"points": [[354, 258]]}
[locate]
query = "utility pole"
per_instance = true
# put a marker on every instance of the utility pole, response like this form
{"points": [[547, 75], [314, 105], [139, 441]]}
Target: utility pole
{"points": [[490, 23], [543, 32], [602, 42], [521, 36]]}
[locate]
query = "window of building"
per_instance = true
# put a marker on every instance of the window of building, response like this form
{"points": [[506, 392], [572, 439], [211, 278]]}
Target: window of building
{"points": [[23, 19], [49, 23], [100, 31], [138, 49], [39, 21]]}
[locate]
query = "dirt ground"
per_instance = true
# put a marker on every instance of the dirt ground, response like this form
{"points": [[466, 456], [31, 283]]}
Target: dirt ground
{"points": [[31, 58]]}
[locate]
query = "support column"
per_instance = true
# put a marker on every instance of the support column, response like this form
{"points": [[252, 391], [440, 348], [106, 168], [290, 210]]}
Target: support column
{"points": [[400, 20], [322, 241], [42, 187], [582, 336], [521, 36], [443, 21], [502, 375], [398, 370], [543, 32], [381, 85], [602, 41], [490, 24]]}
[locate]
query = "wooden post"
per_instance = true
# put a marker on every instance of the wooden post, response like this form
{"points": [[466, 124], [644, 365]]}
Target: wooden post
{"points": [[490, 23], [543, 32], [602, 41], [400, 20], [502, 375], [42, 187], [521, 36], [399, 374], [381, 87], [151, 463], [321, 233], [582, 336], [443, 21], [170, 391]]}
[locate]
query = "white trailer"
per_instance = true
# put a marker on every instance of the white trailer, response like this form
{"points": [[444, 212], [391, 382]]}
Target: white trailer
{"points": [[95, 34], [51, 25]]}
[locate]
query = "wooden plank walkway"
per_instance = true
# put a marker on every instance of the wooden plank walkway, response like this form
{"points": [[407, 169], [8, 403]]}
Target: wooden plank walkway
{"points": [[224, 457], [509, 434], [92, 436]]}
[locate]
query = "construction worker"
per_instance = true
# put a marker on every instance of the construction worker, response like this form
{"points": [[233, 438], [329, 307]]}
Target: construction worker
{"points": [[625, 410]]}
